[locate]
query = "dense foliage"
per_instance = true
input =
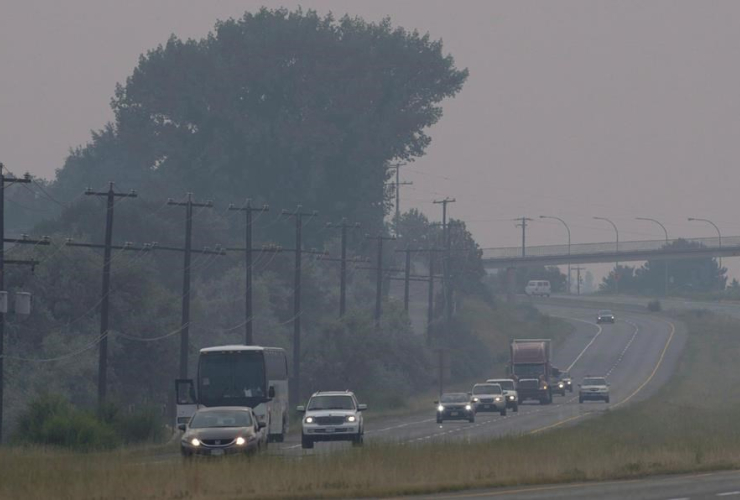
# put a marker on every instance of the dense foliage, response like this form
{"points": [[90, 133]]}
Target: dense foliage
{"points": [[285, 107], [701, 274]]}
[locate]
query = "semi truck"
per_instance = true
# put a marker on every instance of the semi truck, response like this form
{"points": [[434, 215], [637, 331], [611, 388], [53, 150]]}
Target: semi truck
{"points": [[530, 366]]}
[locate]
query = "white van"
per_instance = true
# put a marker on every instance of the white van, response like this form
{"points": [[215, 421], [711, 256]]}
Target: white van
{"points": [[537, 288]]}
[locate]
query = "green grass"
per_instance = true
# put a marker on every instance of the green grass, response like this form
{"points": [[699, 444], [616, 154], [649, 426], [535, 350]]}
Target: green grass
{"points": [[496, 326]]}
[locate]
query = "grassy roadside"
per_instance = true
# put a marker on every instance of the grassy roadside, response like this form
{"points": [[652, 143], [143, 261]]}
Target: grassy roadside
{"points": [[689, 425]]}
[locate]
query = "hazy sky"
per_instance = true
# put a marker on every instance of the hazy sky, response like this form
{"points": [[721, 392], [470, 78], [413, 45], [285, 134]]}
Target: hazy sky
{"points": [[573, 108]]}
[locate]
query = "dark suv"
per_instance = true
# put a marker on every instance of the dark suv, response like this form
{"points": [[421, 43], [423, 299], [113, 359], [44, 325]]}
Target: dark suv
{"points": [[455, 406]]}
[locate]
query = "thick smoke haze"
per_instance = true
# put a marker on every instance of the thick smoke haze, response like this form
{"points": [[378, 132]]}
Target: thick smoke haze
{"points": [[573, 108]]}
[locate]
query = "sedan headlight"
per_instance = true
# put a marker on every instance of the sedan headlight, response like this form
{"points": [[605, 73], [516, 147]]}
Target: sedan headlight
{"points": [[440, 408], [475, 400], [468, 407], [351, 418], [561, 385], [240, 441], [309, 420], [498, 399], [544, 386], [195, 442], [511, 398]]}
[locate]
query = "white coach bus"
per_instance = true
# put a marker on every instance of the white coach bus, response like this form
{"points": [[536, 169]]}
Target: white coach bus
{"points": [[238, 375]]}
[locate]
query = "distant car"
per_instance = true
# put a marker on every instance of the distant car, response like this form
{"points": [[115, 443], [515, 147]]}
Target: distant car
{"points": [[510, 393], [489, 397], [221, 431], [539, 288], [594, 388], [332, 416], [605, 317], [561, 382], [455, 406], [567, 380]]}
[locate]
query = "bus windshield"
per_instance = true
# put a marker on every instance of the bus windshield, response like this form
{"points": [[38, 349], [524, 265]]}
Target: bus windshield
{"points": [[231, 378]]}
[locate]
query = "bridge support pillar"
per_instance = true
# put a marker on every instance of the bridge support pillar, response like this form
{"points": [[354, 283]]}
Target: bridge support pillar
{"points": [[510, 284]]}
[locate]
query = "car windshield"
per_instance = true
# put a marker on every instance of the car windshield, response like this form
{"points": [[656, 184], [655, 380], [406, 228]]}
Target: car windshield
{"points": [[605, 313], [225, 418], [594, 381], [331, 403], [507, 385], [487, 389], [459, 397]]}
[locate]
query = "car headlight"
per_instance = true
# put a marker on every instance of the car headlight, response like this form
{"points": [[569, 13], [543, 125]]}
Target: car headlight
{"points": [[544, 386], [561, 385], [498, 399], [468, 407], [440, 408], [511, 398], [195, 442], [475, 400], [309, 420], [351, 418], [569, 382], [240, 441]]}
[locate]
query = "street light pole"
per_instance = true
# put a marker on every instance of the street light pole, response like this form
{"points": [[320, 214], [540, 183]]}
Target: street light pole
{"points": [[665, 284], [616, 269], [719, 233], [567, 229]]}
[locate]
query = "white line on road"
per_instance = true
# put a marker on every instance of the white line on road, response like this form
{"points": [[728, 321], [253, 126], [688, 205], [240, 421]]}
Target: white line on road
{"points": [[728, 494], [587, 345], [637, 330]]}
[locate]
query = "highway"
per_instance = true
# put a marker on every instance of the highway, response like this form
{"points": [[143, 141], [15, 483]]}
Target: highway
{"points": [[637, 354], [715, 486]]}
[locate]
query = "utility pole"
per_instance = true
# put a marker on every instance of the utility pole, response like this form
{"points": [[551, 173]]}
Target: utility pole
{"points": [[298, 215], [343, 226], [397, 185], [379, 276], [406, 277], [578, 270], [523, 225], [185, 322], [447, 280], [110, 197], [248, 210], [3, 181]]}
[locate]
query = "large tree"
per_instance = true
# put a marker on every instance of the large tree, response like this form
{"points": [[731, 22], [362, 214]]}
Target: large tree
{"points": [[699, 274], [284, 107]]}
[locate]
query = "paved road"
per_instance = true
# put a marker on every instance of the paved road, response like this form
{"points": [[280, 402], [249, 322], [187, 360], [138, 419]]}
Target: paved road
{"points": [[715, 486], [637, 354]]}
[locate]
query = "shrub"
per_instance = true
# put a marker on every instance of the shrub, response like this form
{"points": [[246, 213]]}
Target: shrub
{"points": [[654, 306], [146, 426], [52, 420]]}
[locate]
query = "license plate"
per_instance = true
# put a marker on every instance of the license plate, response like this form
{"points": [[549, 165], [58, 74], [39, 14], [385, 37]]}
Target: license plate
{"points": [[453, 414], [217, 452], [330, 429]]}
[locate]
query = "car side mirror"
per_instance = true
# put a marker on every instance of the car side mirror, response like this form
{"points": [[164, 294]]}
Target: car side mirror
{"points": [[271, 392], [182, 427], [261, 425], [361, 407], [301, 409]]}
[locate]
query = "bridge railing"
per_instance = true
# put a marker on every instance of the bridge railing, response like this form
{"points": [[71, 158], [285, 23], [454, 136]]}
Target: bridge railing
{"points": [[607, 247]]}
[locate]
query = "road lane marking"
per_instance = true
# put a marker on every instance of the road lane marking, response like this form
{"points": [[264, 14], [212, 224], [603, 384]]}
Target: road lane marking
{"points": [[624, 351], [729, 493], [598, 332], [655, 370]]}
